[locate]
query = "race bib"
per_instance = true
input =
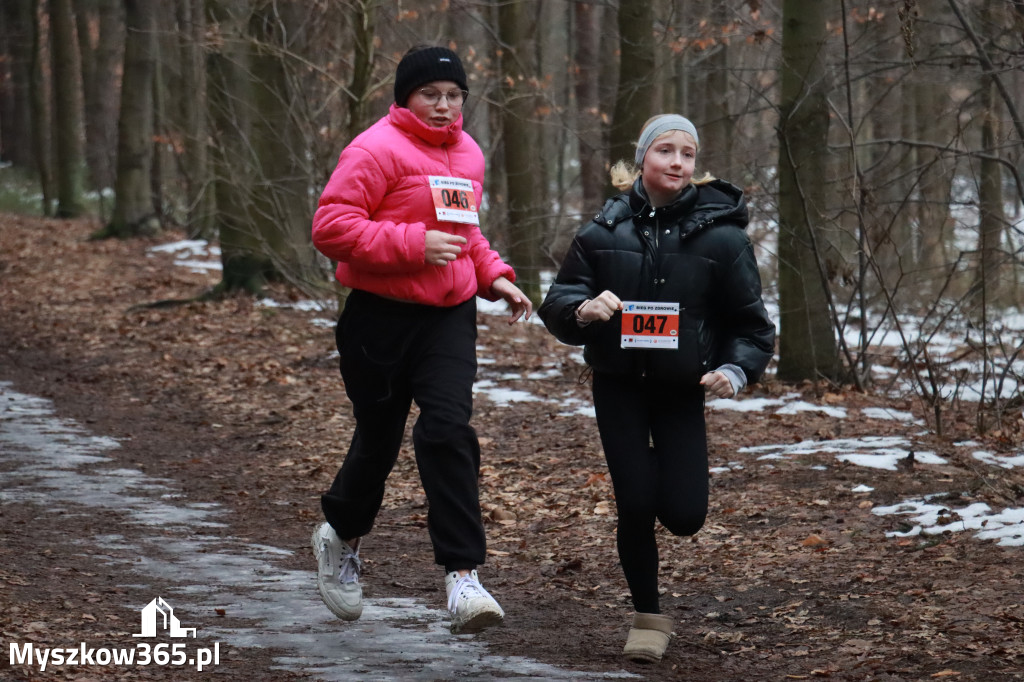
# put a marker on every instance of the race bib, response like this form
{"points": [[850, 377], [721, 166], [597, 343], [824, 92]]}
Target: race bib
{"points": [[650, 325], [454, 199]]}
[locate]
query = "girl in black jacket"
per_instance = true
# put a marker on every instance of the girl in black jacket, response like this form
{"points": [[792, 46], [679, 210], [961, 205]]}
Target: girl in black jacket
{"points": [[662, 290]]}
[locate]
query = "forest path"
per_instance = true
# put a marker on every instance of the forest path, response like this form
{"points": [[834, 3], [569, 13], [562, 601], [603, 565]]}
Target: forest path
{"points": [[234, 410]]}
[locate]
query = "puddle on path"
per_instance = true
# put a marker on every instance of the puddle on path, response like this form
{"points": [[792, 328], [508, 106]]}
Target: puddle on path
{"points": [[42, 453]]}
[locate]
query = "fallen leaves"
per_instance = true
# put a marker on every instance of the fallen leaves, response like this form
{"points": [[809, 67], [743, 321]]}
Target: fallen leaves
{"points": [[790, 566], [814, 541]]}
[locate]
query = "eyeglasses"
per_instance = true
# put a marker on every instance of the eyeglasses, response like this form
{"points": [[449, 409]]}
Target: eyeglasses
{"points": [[455, 97]]}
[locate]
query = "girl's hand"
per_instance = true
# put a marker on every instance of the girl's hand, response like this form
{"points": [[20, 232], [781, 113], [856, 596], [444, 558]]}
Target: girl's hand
{"points": [[600, 309], [441, 248], [518, 301], [717, 385]]}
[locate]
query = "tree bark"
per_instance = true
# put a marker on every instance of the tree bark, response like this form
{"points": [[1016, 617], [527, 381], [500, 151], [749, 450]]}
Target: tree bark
{"points": [[807, 345], [364, 24], [522, 171], [244, 266], [133, 205], [278, 209], [586, 81], [713, 119], [991, 216], [15, 84], [195, 133], [634, 98], [67, 97], [100, 33], [39, 87], [261, 179]]}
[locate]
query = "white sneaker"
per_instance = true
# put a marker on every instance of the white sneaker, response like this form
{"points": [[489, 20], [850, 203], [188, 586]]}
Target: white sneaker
{"points": [[472, 608], [337, 577]]}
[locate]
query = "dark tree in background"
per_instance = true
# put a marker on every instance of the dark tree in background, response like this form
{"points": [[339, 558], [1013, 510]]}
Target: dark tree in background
{"points": [[68, 112], [523, 167], [100, 31], [15, 83], [879, 145], [634, 97], [807, 347], [134, 212]]}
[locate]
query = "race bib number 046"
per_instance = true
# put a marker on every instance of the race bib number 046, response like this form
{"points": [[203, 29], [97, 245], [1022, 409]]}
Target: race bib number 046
{"points": [[454, 200], [650, 325]]}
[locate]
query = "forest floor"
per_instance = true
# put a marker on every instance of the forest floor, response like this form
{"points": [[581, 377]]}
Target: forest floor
{"points": [[793, 576]]}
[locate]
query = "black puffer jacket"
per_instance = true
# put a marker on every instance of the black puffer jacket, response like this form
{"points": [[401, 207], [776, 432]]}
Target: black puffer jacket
{"points": [[694, 252]]}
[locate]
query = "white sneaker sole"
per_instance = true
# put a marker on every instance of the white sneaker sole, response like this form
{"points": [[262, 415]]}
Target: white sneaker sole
{"points": [[477, 622], [333, 597]]}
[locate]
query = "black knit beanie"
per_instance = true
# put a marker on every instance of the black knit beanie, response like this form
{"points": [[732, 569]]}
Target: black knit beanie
{"points": [[424, 66]]}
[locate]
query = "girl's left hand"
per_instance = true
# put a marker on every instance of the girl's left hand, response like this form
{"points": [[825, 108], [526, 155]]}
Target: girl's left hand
{"points": [[718, 385], [519, 302]]}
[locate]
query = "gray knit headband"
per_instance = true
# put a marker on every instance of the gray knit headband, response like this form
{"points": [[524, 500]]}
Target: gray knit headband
{"points": [[659, 126]]}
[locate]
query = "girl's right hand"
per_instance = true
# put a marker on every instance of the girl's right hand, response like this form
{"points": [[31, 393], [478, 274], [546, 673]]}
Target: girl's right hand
{"points": [[442, 248], [600, 309]]}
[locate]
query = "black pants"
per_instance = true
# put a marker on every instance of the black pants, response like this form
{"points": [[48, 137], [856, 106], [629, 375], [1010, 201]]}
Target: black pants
{"points": [[655, 442], [391, 354]]}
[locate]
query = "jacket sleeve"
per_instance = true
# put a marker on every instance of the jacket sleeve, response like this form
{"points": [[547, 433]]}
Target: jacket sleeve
{"points": [[488, 263], [747, 332], [344, 231], [575, 283]]}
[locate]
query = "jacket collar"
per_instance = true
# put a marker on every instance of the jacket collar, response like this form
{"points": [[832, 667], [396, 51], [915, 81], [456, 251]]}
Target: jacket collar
{"points": [[641, 207], [696, 207], [405, 120]]}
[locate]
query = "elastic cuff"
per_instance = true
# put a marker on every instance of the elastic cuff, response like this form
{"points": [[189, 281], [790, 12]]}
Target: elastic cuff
{"points": [[576, 313]]}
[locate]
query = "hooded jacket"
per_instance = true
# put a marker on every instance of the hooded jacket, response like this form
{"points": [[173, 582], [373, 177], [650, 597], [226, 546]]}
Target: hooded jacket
{"points": [[694, 252], [375, 211]]}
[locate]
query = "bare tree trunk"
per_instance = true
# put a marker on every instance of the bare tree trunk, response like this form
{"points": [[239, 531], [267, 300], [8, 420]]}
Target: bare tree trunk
{"points": [[244, 267], [261, 179], [15, 84], [936, 122], [39, 87], [160, 138], [714, 119], [807, 346], [102, 49], [590, 145], [364, 24], [634, 99], [133, 205], [67, 96], [278, 207], [885, 190], [991, 217], [520, 135], [195, 165]]}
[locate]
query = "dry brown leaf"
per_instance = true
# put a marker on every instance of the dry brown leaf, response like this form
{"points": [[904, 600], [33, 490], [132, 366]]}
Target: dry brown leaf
{"points": [[814, 541]]}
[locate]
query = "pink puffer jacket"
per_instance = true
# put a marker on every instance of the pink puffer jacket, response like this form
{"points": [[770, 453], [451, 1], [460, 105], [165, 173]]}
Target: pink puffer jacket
{"points": [[376, 209]]}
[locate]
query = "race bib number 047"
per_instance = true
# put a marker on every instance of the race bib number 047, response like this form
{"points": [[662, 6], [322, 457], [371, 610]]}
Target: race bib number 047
{"points": [[650, 325], [454, 200]]}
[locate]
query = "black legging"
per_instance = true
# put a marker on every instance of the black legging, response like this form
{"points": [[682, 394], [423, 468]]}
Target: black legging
{"points": [[655, 443]]}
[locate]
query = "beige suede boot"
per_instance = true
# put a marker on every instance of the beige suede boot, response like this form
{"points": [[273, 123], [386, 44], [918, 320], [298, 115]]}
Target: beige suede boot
{"points": [[648, 638]]}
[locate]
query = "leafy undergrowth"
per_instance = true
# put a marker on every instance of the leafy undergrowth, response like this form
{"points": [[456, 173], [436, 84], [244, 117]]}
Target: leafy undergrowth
{"points": [[793, 576]]}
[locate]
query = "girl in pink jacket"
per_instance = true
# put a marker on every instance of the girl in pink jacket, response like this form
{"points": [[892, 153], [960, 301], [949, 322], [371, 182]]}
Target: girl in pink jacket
{"points": [[400, 215]]}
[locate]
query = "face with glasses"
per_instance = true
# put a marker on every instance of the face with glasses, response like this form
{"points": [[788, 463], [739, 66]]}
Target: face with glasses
{"points": [[437, 103]]}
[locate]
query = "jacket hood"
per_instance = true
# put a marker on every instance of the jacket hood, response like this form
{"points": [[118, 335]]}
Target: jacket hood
{"points": [[408, 122], [697, 206]]}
